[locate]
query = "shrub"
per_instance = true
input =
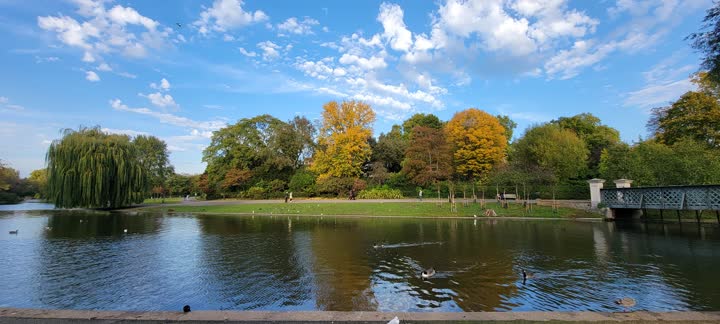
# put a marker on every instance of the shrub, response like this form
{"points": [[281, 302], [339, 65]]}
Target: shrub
{"points": [[303, 182], [255, 193], [335, 186], [380, 193]]}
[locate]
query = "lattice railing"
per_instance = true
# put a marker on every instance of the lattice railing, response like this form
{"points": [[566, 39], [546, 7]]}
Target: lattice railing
{"points": [[675, 197]]}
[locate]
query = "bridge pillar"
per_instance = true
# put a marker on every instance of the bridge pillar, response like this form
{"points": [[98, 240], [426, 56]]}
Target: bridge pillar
{"points": [[623, 183], [595, 186]]}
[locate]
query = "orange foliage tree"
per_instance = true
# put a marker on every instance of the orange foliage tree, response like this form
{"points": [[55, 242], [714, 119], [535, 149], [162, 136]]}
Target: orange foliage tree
{"points": [[478, 142], [343, 139]]}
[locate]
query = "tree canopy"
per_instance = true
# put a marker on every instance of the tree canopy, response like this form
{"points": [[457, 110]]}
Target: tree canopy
{"points": [[477, 141], [552, 148], [695, 115], [707, 41], [89, 168]]}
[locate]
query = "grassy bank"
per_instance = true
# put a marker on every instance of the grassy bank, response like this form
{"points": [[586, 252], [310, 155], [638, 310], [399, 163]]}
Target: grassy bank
{"points": [[168, 200], [427, 209]]}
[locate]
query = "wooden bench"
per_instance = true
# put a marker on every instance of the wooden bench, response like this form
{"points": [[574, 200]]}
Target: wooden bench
{"points": [[508, 196]]}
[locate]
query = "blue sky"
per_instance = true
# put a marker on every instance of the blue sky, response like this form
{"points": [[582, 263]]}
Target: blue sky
{"points": [[182, 69]]}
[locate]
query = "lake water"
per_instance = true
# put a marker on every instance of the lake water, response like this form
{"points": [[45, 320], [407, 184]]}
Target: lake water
{"points": [[85, 260]]}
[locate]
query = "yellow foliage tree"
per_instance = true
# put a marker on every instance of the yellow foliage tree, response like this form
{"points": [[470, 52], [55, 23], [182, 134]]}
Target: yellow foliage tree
{"points": [[478, 142], [343, 140]]}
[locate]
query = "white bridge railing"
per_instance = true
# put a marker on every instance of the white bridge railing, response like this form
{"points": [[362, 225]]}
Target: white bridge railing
{"points": [[705, 197]]}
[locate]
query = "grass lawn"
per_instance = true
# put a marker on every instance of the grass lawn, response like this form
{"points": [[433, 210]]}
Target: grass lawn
{"points": [[428, 209], [163, 200]]}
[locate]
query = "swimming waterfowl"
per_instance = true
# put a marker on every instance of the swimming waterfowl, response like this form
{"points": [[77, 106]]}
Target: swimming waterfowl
{"points": [[527, 275], [125, 230], [625, 302], [427, 273], [14, 232], [186, 309]]}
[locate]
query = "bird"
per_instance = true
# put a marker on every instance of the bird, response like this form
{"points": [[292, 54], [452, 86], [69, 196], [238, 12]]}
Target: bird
{"points": [[179, 25], [625, 302], [395, 320], [125, 230], [428, 273], [186, 309], [377, 245], [14, 232], [527, 275]]}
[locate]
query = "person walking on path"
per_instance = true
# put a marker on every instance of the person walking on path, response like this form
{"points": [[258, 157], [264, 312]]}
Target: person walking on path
{"points": [[286, 196], [420, 195]]}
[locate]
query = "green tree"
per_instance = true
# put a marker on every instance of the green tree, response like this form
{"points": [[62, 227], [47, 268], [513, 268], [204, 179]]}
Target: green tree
{"points": [[695, 115], [390, 150], [478, 142], [508, 124], [9, 182], [707, 41], [615, 162], [91, 169], [595, 135], [295, 141], [38, 179], [552, 148], [154, 158], [342, 142], [425, 120]]}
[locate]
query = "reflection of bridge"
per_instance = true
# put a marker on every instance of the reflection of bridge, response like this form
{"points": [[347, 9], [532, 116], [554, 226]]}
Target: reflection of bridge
{"points": [[629, 201]]}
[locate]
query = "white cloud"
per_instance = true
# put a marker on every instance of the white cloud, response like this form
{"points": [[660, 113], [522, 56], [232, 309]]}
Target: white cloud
{"points": [[92, 76], [4, 100], [164, 85], [15, 107], [382, 100], [225, 15], [104, 67], [127, 75], [664, 82], [293, 26], [246, 53], [269, 50], [228, 38], [129, 132], [39, 59], [391, 17], [120, 29], [171, 119], [161, 100], [364, 63], [568, 63]]}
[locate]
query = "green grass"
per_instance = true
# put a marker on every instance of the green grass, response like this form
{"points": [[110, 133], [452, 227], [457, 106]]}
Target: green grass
{"points": [[427, 209], [163, 200]]}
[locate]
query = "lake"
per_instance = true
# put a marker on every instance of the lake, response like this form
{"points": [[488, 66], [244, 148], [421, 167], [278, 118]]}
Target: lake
{"points": [[85, 260]]}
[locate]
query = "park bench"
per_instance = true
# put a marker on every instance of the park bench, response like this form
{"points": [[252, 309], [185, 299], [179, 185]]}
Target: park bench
{"points": [[508, 196]]}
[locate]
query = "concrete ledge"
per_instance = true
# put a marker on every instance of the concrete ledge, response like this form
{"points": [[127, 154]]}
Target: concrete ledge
{"points": [[18, 315]]}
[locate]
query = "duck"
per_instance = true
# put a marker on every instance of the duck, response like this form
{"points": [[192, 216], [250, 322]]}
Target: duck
{"points": [[527, 275], [626, 302], [125, 230], [14, 232], [427, 273], [186, 309]]}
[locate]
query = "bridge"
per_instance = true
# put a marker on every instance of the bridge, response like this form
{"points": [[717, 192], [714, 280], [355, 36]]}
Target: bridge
{"points": [[630, 201]]}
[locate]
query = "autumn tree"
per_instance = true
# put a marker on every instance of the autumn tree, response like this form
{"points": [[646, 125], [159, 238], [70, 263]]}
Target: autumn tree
{"points": [[425, 120], [38, 179], [342, 141], [477, 141], [695, 115], [427, 158]]}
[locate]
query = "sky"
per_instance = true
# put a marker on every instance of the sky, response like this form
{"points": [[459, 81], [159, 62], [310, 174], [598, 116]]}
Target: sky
{"points": [[181, 69]]}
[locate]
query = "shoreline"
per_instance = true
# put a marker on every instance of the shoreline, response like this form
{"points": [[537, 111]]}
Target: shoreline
{"points": [[23, 315]]}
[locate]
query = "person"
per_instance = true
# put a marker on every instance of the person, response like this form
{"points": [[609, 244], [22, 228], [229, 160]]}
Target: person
{"points": [[352, 194], [290, 196], [286, 196], [420, 195]]}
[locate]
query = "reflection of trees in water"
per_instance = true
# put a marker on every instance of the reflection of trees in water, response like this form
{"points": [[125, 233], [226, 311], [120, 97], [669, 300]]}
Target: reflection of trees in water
{"points": [[255, 263], [88, 224]]}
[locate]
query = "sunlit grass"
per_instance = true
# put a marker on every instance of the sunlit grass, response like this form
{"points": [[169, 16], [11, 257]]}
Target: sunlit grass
{"points": [[163, 200], [426, 209]]}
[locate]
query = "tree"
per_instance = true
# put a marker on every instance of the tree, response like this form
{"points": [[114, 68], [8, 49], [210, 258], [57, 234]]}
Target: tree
{"points": [[425, 120], [478, 142], [427, 157], [595, 135], [695, 115], [9, 181], [390, 150], [342, 142], [295, 141], [38, 179], [707, 41], [91, 169], [615, 162], [552, 148], [153, 155], [508, 124]]}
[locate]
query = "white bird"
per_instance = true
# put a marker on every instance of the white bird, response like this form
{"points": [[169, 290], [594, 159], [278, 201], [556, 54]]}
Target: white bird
{"points": [[395, 320], [125, 230]]}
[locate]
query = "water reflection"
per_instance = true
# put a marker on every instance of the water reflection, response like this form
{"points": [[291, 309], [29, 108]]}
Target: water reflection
{"points": [[81, 260]]}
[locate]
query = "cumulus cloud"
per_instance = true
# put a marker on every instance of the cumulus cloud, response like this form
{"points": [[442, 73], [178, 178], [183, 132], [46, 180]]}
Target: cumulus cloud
{"points": [[364, 63], [104, 67], [170, 119], [294, 26], [395, 31], [246, 52], [92, 76], [101, 31], [161, 100], [225, 15], [269, 50], [164, 85]]}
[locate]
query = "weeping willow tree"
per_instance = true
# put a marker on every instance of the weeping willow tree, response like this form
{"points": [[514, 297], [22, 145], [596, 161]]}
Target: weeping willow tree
{"points": [[91, 169]]}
